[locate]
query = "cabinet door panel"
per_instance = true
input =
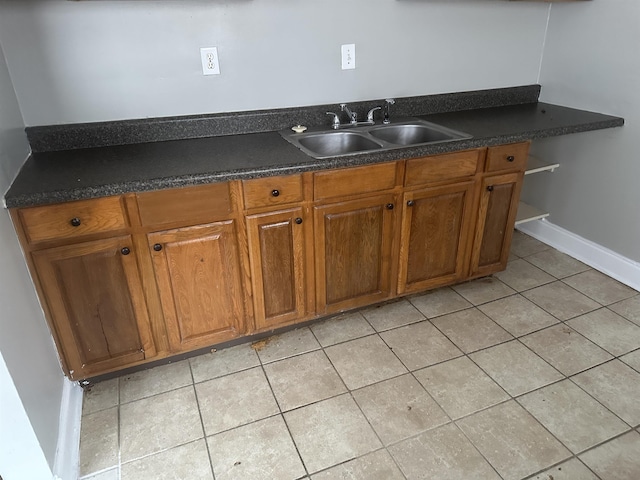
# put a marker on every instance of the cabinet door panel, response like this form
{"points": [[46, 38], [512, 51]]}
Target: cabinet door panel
{"points": [[276, 250], [353, 250], [95, 296], [435, 228], [198, 276], [496, 218]]}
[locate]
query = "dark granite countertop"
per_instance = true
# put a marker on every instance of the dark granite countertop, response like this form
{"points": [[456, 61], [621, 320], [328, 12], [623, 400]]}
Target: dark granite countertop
{"points": [[79, 173]]}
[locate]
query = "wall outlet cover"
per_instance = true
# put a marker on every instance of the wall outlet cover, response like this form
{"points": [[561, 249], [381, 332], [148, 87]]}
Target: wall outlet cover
{"points": [[349, 56], [209, 58]]}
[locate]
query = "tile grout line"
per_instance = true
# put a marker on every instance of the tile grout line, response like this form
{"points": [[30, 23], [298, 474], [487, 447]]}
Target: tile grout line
{"points": [[204, 431]]}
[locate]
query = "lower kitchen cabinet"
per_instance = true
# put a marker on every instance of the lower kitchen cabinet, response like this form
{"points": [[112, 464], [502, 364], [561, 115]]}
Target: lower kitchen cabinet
{"points": [[198, 274], [96, 304], [353, 248], [277, 252], [436, 223]]}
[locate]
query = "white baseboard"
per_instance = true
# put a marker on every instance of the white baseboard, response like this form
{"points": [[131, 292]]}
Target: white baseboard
{"points": [[66, 463], [606, 261]]}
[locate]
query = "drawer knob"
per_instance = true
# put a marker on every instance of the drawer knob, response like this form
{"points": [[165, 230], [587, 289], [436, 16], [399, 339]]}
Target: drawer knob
{"points": [[510, 158], [275, 193], [157, 247], [490, 188], [389, 206], [75, 222], [125, 251], [410, 203], [298, 220]]}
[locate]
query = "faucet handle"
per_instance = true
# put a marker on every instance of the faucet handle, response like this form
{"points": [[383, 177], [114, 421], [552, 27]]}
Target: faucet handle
{"points": [[370, 114], [335, 124]]}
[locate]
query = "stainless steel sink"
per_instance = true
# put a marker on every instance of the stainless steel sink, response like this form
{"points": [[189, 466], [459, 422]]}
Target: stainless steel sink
{"points": [[323, 143], [330, 144]]}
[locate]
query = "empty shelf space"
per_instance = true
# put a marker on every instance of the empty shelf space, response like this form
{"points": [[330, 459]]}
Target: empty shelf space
{"points": [[527, 213], [535, 165]]}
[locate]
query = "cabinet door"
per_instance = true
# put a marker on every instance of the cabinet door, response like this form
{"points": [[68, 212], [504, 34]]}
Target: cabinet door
{"points": [[496, 219], [276, 253], [353, 242], [199, 281], [95, 299], [436, 223]]}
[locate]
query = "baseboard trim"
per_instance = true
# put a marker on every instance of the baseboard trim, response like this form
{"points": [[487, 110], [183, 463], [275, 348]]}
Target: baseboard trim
{"points": [[67, 460], [606, 261]]}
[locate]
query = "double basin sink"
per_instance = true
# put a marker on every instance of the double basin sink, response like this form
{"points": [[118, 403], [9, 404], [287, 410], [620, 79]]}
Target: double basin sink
{"points": [[358, 139]]}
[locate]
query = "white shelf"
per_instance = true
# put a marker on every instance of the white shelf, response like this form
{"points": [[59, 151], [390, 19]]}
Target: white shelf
{"points": [[535, 165], [527, 213]]}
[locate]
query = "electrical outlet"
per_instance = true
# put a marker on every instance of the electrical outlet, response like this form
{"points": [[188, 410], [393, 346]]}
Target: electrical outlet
{"points": [[209, 57], [349, 56]]}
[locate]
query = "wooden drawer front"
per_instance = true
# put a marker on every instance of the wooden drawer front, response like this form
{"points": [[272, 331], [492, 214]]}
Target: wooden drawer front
{"points": [[263, 192], [188, 205], [355, 180], [442, 167], [507, 157], [73, 219]]}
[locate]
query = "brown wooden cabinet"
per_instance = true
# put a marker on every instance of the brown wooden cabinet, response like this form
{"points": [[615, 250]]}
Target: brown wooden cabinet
{"points": [[198, 274], [97, 307]]}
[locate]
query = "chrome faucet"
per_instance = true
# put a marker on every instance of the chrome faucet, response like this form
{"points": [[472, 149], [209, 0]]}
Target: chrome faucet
{"points": [[387, 104], [353, 116], [370, 115], [335, 123]]}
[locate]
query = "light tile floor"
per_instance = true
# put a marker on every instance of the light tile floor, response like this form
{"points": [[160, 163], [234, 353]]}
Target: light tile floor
{"points": [[532, 373]]}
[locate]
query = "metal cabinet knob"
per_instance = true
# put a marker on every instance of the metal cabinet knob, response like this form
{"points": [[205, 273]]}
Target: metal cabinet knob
{"points": [[510, 158], [389, 206], [298, 220], [275, 193], [490, 188], [75, 222], [125, 251], [157, 247], [410, 203]]}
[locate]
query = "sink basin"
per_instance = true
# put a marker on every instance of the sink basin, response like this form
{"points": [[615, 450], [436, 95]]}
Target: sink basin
{"points": [[330, 144], [412, 134], [323, 143]]}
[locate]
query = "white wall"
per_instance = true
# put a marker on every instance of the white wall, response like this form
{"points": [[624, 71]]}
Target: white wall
{"points": [[104, 60], [25, 341], [592, 61]]}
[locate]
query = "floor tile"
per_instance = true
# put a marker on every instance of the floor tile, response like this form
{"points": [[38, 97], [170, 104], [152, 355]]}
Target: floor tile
{"points": [[617, 459], [632, 359], [341, 329], [572, 469], [99, 441], [443, 454], [157, 423], [399, 408], [391, 315], [608, 330], [223, 362], [517, 315], [565, 349], [616, 386], [471, 330], [516, 368], [561, 301], [101, 396], [303, 379], [364, 361], [420, 345], [262, 450], [460, 387], [512, 440], [629, 309], [598, 286], [331, 432], [113, 474], [186, 462], [155, 380], [286, 345], [575, 418], [374, 466], [523, 245], [556, 263], [234, 400], [521, 275], [483, 290], [439, 302]]}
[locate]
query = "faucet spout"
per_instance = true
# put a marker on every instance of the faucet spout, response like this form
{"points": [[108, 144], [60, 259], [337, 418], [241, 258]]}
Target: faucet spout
{"points": [[353, 116]]}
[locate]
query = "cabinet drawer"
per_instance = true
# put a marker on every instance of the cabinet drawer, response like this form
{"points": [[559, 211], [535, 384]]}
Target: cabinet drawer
{"points": [[189, 205], [507, 157], [263, 192], [73, 219], [355, 180], [442, 167]]}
